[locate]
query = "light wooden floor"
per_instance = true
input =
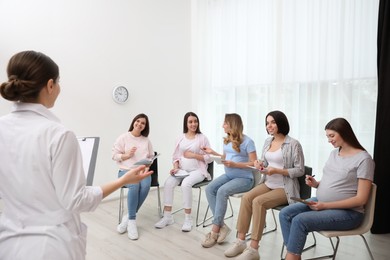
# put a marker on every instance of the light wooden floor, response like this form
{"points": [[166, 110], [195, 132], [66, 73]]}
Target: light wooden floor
{"points": [[104, 243]]}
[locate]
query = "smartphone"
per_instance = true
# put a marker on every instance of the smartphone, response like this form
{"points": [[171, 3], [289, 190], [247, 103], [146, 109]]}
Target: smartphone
{"points": [[301, 200]]}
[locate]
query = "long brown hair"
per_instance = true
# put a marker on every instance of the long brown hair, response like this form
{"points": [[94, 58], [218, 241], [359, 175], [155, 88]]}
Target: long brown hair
{"points": [[344, 129], [185, 126], [235, 135], [146, 130]]}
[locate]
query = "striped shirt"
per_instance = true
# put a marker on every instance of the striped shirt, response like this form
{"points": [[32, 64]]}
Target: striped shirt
{"points": [[293, 161]]}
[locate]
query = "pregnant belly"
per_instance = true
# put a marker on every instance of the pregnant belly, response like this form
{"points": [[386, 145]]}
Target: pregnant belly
{"points": [[189, 164]]}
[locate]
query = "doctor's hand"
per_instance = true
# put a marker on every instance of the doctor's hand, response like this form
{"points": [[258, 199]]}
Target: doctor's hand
{"points": [[136, 175]]}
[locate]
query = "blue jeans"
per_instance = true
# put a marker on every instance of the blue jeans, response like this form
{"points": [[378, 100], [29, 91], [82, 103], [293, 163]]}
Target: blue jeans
{"points": [[297, 220], [136, 195], [218, 192]]}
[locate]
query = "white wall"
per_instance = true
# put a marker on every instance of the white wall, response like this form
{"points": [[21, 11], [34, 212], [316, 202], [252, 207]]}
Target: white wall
{"points": [[142, 44]]}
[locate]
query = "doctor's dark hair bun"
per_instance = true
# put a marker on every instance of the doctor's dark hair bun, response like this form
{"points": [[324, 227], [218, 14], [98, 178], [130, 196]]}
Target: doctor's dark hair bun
{"points": [[28, 72]]}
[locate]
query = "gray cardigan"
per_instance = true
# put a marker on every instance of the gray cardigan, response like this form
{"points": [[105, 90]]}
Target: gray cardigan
{"points": [[293, 161]]}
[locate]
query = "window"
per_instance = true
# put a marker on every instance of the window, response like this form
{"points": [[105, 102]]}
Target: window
{"points": [[314, 60]]}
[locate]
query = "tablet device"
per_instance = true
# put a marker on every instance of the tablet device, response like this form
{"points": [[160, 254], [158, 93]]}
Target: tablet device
{"points": [[300, 200], [217, 159], [146, 161], [253, 168], [181, 174]]}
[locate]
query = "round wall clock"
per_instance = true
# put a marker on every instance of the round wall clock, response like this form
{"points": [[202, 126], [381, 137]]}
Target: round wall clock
{"points": [[120, 94]]}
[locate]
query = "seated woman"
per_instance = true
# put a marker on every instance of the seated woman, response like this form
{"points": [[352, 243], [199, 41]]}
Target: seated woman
{"points": [[341, 194], [281, 163], [130, 147], [239, 152], [189, 167]]}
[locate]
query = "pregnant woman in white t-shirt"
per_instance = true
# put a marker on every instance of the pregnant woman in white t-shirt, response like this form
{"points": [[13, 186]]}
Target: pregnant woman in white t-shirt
{"points": [[189, 167]]}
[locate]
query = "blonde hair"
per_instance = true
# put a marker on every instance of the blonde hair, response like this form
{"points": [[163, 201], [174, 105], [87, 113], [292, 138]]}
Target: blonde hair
{"points": [[235, 134]]}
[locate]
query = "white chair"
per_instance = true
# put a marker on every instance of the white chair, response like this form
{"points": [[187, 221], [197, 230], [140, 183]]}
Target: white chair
{"points": [[362, 229]]}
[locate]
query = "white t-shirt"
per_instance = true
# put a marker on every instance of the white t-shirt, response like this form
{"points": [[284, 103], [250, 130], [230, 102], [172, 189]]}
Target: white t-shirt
{"points": [[188, 164], [274, 159]]}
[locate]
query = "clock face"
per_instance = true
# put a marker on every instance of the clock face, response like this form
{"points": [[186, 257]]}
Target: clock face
{"points": [[120, 94]]}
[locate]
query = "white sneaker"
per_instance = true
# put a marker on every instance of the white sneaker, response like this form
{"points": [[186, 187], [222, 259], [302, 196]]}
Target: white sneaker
{"points": [[249, 254], [223, 233], [122, 227], [187, 226], [164, 221], [237, 248], [210, 239], [132, 231]]}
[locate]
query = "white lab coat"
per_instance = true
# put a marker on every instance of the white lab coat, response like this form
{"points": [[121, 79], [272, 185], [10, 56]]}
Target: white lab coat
{"points": [[42, 184]]}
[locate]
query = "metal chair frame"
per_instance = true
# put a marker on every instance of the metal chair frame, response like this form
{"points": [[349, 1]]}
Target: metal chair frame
{"points": [[360, 231]]}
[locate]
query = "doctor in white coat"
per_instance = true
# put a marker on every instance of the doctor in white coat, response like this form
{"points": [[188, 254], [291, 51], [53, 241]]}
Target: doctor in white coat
{"points": [[42, 181]]}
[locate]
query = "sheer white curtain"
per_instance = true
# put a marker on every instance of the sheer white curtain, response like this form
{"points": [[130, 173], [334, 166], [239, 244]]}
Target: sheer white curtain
{"points": [[312, 59]]}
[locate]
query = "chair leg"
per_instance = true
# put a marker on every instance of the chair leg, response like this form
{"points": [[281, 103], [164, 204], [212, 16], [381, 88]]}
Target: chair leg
{"points": [[368, 248], [306, 248], [312, 245], [160, 212], [208, 218], [276, 225], [175, 211], [336, 247], [197, 210], [247, 235], [282, 252], [231, 209], [333, 255], [121, 205]]}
